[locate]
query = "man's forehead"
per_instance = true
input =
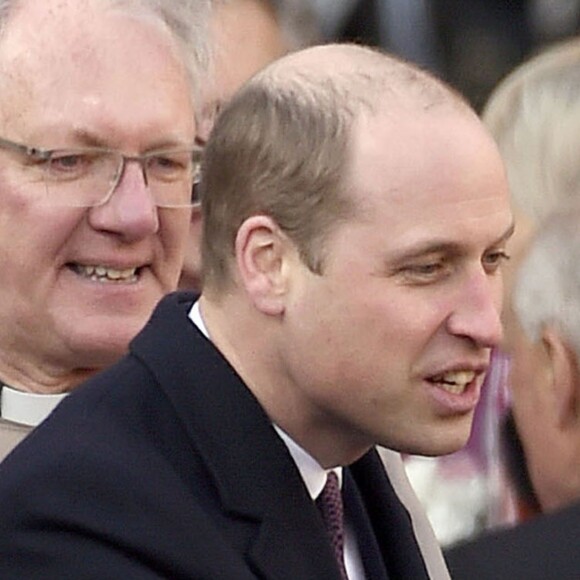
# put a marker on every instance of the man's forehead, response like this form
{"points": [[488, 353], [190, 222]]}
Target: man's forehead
{"points": [[401, 143], [425, 201], [105, 72], [28, 13]]}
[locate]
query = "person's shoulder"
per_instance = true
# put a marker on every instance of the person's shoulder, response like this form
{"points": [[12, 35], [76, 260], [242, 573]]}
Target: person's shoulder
{"points": [[167, 328], [542, 548], [93, 419], [116, 431]]}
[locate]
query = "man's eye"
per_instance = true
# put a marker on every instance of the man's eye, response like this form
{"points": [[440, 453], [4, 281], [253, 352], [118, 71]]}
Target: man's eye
{"points": [[69, 165], [67, 162], [426, 273], [493, 260], [169, 167], [165, 162], [426, 269]]}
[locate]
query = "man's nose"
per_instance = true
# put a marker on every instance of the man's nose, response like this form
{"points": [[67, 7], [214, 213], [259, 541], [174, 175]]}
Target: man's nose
{"points": [[477, 311], [130, 211]]}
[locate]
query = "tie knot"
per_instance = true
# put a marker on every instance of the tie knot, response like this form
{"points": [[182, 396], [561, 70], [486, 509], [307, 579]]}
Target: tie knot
{"points": [[329, 502]]}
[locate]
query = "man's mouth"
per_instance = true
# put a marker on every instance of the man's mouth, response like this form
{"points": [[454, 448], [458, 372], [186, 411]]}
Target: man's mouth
{"points": [[100, 273], [454, 382]]}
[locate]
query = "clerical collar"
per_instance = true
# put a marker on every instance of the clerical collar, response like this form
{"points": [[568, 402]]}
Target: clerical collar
{"points": [[27, 408]]}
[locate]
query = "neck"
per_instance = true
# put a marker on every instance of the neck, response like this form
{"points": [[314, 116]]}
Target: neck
{"points": [[42, 379], [250, 349]]}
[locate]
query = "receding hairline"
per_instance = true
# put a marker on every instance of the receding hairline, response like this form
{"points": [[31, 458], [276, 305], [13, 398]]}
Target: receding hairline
{"points": [[384, 74]]}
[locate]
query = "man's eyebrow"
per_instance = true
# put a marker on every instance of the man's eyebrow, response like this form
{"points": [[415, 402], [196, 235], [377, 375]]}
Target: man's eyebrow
{"points": [[506, 235], [430, 247], [447, 247], [87, 138]]}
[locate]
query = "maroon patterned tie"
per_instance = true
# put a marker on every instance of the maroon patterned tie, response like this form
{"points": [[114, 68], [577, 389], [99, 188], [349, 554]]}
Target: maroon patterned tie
{"points": [[329, 502]]}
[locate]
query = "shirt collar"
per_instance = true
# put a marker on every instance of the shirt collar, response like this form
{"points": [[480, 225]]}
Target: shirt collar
{"points": [[313, 474], [195, 317]]}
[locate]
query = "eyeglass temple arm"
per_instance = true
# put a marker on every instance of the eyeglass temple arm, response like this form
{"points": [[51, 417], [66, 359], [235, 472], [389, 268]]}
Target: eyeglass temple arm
{"points": [[34, 152]]}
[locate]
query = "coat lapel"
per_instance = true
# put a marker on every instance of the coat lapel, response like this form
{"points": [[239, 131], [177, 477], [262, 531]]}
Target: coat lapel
{"points": [[390, 520], [368, 546]]}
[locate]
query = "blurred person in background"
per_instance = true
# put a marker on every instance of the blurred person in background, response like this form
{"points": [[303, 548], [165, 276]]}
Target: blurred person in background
{"points": [[544, 343], [97, 129], [247, 35], [534, 116]]}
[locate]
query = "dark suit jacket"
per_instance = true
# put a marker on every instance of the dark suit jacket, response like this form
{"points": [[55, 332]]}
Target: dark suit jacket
{"points": [[166, 466], [545, 548]]}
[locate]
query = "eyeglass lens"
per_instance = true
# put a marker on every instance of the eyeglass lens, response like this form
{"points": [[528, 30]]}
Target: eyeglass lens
{"points": [[88, 178]]}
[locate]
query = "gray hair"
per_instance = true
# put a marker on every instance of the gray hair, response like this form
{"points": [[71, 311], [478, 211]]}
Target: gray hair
{"points": [[534, 115], [547, 287], [186, 20]]}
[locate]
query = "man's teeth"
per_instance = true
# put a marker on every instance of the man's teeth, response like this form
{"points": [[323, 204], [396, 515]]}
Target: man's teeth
{"points": [[102, 273], [454, 382]]}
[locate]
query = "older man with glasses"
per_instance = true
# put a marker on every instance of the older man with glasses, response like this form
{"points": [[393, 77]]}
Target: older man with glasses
{"points": [[98, 104]]}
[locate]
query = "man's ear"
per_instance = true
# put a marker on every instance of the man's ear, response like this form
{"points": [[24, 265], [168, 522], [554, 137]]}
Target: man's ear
{"points": [[262, 251], [565, 378]]}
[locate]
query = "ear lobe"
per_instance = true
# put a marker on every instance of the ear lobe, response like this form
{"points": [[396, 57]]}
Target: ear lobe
{"points": [[261, 249], [565, 380]]}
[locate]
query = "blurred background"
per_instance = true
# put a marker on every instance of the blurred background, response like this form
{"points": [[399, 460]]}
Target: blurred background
{"points": [[470, 43]]}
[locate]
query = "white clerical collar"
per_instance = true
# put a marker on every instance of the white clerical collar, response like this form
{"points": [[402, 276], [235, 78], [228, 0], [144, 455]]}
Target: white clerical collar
{"points": [[27, 408], [313, 474]]}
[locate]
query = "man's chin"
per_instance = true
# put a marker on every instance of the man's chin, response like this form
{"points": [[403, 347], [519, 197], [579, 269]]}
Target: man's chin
{"points": [[441, 442], [98, 350]]}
